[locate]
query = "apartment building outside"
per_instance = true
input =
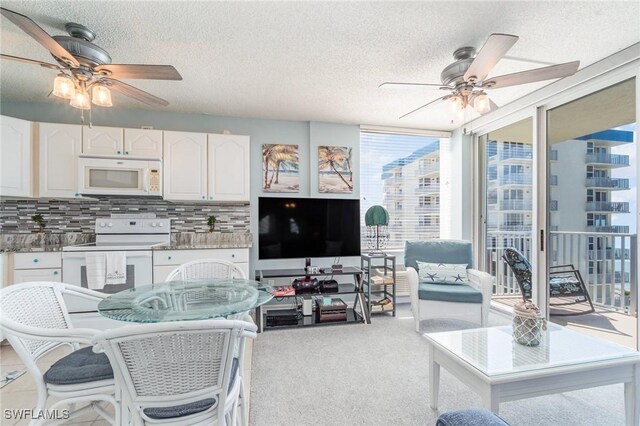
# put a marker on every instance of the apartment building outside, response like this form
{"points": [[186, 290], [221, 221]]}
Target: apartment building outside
{"points": [[411, 187]]}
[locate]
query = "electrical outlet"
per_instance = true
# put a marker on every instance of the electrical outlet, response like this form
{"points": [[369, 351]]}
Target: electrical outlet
{"points": [[271, 282]]}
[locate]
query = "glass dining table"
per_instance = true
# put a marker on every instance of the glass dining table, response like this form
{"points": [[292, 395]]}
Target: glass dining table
{"points": [[185, 300]]}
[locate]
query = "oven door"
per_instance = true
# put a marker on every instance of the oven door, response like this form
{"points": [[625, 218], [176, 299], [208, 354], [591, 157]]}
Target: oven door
{"points": [[106, 176], [74, 271]]}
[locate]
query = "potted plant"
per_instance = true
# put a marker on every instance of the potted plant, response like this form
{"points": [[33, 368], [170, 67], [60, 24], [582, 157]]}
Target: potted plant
{"points": [[39, 220], [211, 221]]}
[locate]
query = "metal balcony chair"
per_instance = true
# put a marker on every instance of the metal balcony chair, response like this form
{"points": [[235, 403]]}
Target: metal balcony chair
{"points": [[35, 321], [564, 281], [177, 373]]}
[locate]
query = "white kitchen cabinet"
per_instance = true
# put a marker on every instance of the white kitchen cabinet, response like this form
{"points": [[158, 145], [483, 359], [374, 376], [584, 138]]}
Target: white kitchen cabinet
{"points": [[165, 261], [35, 266], [97, 140], [228, 170], [143, 143], [185, 166], [16, 157], [59, 147]]}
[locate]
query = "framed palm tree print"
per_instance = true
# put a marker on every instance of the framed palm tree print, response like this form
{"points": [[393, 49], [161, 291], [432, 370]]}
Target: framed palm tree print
{"points": [[334, 169], [280, 168]]}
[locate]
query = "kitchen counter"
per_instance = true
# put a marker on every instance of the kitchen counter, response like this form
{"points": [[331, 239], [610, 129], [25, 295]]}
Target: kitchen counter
{"points": [[27, 243], [212, 240]]}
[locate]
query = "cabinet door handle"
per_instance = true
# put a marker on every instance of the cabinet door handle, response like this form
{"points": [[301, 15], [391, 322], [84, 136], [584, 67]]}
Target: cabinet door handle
{"points": [[126, 153], [168, 257], [55, 272], [35, 260], [119, 152]]}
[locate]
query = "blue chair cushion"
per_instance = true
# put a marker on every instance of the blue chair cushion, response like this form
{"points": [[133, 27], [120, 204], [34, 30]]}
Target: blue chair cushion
{"points": [[438, 251], [446, 292], [81, 366], [192, 407], [565, 286], [470, 417]]}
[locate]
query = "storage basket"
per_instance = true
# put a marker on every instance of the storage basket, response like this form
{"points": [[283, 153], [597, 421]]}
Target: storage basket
{"points": [[528, 324]]}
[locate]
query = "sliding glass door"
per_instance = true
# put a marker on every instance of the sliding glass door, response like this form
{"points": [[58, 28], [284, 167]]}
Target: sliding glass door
{"points": [[507, 203], [592, 213]]}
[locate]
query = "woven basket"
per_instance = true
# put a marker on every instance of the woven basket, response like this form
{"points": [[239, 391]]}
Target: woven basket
{"points": [[528, 324]]}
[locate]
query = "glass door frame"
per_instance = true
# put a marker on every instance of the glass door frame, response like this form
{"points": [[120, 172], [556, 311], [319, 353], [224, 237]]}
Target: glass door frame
{"points": [[601, 82]]}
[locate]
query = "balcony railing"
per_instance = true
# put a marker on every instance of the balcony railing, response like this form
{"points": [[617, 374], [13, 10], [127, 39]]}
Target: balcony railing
{"points": [[428, 188], [515, 205], [608, 206], [516, 153], [553, 155], [608, 183], [435, 208], [615, 229], [393, 180], [609, 159], [425, 169], [553, 205], [516, 179], [553, 180], [610, 273]]}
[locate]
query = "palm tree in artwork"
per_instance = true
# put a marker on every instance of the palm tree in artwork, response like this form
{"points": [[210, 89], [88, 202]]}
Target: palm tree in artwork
{"points": [[332, 156], [277, 157]]}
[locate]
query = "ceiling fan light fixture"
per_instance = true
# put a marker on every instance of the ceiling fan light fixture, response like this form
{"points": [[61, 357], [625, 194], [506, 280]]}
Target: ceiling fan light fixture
{"points": [[481, 104], [456, 104], [64, 87], [101, 96], [81, 100]]}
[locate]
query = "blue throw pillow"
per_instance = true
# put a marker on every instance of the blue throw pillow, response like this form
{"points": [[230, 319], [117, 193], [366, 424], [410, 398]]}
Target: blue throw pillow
{"points": [[442, 273]]}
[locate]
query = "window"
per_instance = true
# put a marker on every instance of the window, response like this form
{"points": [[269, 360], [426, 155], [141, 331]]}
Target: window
{"points": [[412, 201]]}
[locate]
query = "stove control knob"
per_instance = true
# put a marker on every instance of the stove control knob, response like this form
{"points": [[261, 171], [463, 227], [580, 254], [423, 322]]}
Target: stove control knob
{"points": [[102, 225], [110, 225], [153, 224], [160, 224]]}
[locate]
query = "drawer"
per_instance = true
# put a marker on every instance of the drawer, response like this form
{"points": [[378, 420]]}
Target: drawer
{"points": [[27, 275], [178, 257], [42, 260]]}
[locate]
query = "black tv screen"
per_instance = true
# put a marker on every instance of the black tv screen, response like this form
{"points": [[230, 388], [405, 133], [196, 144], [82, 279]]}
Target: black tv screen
{"points": [[308, 227]]}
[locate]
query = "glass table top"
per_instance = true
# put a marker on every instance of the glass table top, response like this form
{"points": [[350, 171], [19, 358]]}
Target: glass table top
{"points": [[185, 300], [493, 351]]}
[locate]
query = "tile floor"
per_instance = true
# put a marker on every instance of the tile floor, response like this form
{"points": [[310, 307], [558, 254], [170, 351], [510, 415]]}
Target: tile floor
{"points": [[21, 393]]}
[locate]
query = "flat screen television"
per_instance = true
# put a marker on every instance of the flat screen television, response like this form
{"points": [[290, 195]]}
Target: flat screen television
{"points": [[308, 227]]}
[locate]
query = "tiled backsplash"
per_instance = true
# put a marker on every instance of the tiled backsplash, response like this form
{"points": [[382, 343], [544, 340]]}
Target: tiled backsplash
{"points": [[79, 216]]}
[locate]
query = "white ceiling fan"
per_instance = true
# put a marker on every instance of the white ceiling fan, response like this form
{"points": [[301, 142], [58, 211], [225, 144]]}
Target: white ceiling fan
{"points": [[85, 70], [466, 78]]}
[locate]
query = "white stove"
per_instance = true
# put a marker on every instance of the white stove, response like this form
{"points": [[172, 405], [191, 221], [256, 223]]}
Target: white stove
{"points": [[135, 235]]}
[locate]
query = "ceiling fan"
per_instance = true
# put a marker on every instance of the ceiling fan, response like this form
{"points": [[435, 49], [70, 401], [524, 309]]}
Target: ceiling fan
{"points": [[467, 80], [84, 66]]}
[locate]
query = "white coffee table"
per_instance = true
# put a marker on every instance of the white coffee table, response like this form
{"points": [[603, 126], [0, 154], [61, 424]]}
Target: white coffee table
{"points": [[489, 362]]}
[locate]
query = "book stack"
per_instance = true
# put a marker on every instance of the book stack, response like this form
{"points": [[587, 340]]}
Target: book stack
{"points": [[383, 305], [381, 279]]}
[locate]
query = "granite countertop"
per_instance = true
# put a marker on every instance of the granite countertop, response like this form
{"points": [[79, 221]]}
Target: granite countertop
{"points": [[27, 243]]}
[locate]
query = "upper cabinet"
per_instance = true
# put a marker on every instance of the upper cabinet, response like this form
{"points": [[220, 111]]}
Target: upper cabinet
{"points": [[228, 167], [16, 157], [59, 147], [98, 140], [185, 166], [110, 141], [143, 143]]}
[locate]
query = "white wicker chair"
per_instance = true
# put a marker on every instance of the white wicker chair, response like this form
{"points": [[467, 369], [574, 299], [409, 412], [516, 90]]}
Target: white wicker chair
{"points": [[206, 268], [178, 373], [35, 321]]}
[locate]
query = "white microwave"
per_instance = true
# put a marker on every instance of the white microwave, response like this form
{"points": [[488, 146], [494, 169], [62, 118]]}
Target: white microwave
{"points": [[116, 176]]}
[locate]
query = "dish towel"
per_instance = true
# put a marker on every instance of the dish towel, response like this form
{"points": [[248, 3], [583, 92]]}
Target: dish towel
{"points": [[96, 270], [116, 267]]}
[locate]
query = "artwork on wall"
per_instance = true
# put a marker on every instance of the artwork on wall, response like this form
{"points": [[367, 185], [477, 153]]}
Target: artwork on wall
{"points": [[334, 169], [280, 167]]}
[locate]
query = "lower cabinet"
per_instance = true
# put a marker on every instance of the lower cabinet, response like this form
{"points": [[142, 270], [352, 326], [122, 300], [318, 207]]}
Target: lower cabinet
{"points": [[165, 261], [40, 266]]}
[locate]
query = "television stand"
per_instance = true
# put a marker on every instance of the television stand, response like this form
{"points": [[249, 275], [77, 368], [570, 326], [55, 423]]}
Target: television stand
{"points": [[357, 313]]}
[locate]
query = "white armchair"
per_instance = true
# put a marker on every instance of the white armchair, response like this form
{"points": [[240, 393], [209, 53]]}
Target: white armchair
{"points": [[35, 321], [206, 268], [429, 301]]}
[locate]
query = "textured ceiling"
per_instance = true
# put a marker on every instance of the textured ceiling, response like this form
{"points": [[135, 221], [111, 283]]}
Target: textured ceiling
{"points": [[312, 60]]}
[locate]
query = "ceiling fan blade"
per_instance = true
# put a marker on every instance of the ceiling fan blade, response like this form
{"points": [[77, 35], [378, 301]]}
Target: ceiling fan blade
{"points": [[496, 46], [41, 36], [425, 105], [133, 71], [530, 76], [30, 61], [134, 92], [389, 84]]}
